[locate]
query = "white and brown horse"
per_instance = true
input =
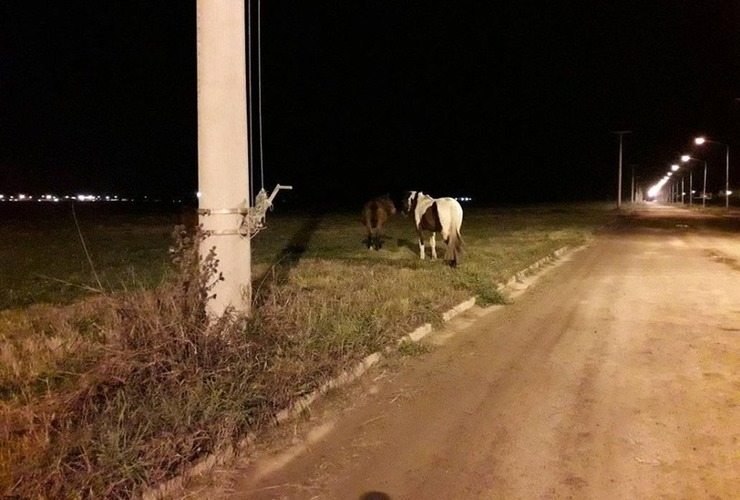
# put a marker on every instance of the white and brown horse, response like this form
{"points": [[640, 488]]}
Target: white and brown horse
{"points": [[375, 214], [436, 215]]}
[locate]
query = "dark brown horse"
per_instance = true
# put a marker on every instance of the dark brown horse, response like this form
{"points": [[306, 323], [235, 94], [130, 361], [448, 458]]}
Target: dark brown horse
{"points": [[375, 213]]}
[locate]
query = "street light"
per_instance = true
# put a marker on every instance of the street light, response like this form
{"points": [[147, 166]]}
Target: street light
{"points": [[686, 158], [671, 187], [701, 140], [656, 189], [674, 168]]}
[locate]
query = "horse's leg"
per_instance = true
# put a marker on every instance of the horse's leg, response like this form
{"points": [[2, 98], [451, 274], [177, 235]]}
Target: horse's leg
{"points": [[421, 246], [433, 244]]}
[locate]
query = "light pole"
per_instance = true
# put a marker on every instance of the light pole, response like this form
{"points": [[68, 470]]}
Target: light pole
{"points": [[686, 158], [691, 181], [674, 168], [674, 183], [701, 140], [619, 177]]}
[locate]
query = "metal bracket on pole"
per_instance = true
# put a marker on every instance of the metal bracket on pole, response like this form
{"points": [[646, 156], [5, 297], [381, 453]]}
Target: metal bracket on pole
{"points": [[254, 220], [222, 211], [240, 210]]}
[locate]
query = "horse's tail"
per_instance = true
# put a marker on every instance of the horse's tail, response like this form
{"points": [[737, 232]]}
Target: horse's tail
{"points": [[369, 218], [371, 215], [375, 219], [454, 251]]}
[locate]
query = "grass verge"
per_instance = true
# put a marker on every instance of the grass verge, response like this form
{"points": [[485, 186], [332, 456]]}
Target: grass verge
{"points": [[106, 396]]}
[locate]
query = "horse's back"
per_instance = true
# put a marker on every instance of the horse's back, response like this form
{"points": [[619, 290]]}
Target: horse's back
{"points": [[450, 213], [456, 212], [376, 212]]}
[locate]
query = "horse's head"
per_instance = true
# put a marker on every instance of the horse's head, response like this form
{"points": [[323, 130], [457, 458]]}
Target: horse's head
{"points": [[408, 204]]}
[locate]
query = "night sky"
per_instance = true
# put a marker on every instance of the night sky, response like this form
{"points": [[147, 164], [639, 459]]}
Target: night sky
{"points": [[507, 101]]}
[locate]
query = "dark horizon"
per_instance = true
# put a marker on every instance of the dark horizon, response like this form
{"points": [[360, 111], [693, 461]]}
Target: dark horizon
{"points": [[508, 103]]}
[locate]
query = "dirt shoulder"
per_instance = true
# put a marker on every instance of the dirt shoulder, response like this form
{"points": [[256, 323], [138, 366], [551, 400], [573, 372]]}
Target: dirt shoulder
{"points": [[613, 376]]}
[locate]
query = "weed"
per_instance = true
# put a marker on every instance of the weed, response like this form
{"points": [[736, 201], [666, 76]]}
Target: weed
{"points": [[406, 348]]}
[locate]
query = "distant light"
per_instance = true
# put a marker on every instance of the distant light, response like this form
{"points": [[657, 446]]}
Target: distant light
{"points": [[674, 167], [653, 191], [197, 194], [669, 174], [729, 193], [685, 158], [700, 140], [21, 196]]}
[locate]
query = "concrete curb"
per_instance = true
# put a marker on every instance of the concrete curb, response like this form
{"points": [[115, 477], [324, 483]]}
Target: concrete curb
{"points": [[519, 277], [221, 457]]}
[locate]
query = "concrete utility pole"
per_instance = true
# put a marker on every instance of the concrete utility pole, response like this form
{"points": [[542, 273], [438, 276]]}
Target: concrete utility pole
{"points": [[633, 193], [223, 179], [619, 180]]}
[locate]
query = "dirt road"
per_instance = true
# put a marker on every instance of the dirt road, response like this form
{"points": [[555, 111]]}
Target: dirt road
{"points": [[616, 375]]}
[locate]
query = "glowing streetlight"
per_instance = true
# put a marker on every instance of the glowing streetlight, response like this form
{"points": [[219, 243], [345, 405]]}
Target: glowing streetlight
{"points": [[701, 140], [674, 168], [671, 197], [686, 158], [654, 190]]}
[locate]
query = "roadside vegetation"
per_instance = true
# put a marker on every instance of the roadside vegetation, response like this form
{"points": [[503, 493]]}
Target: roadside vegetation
{"points": [[112, 378]]}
